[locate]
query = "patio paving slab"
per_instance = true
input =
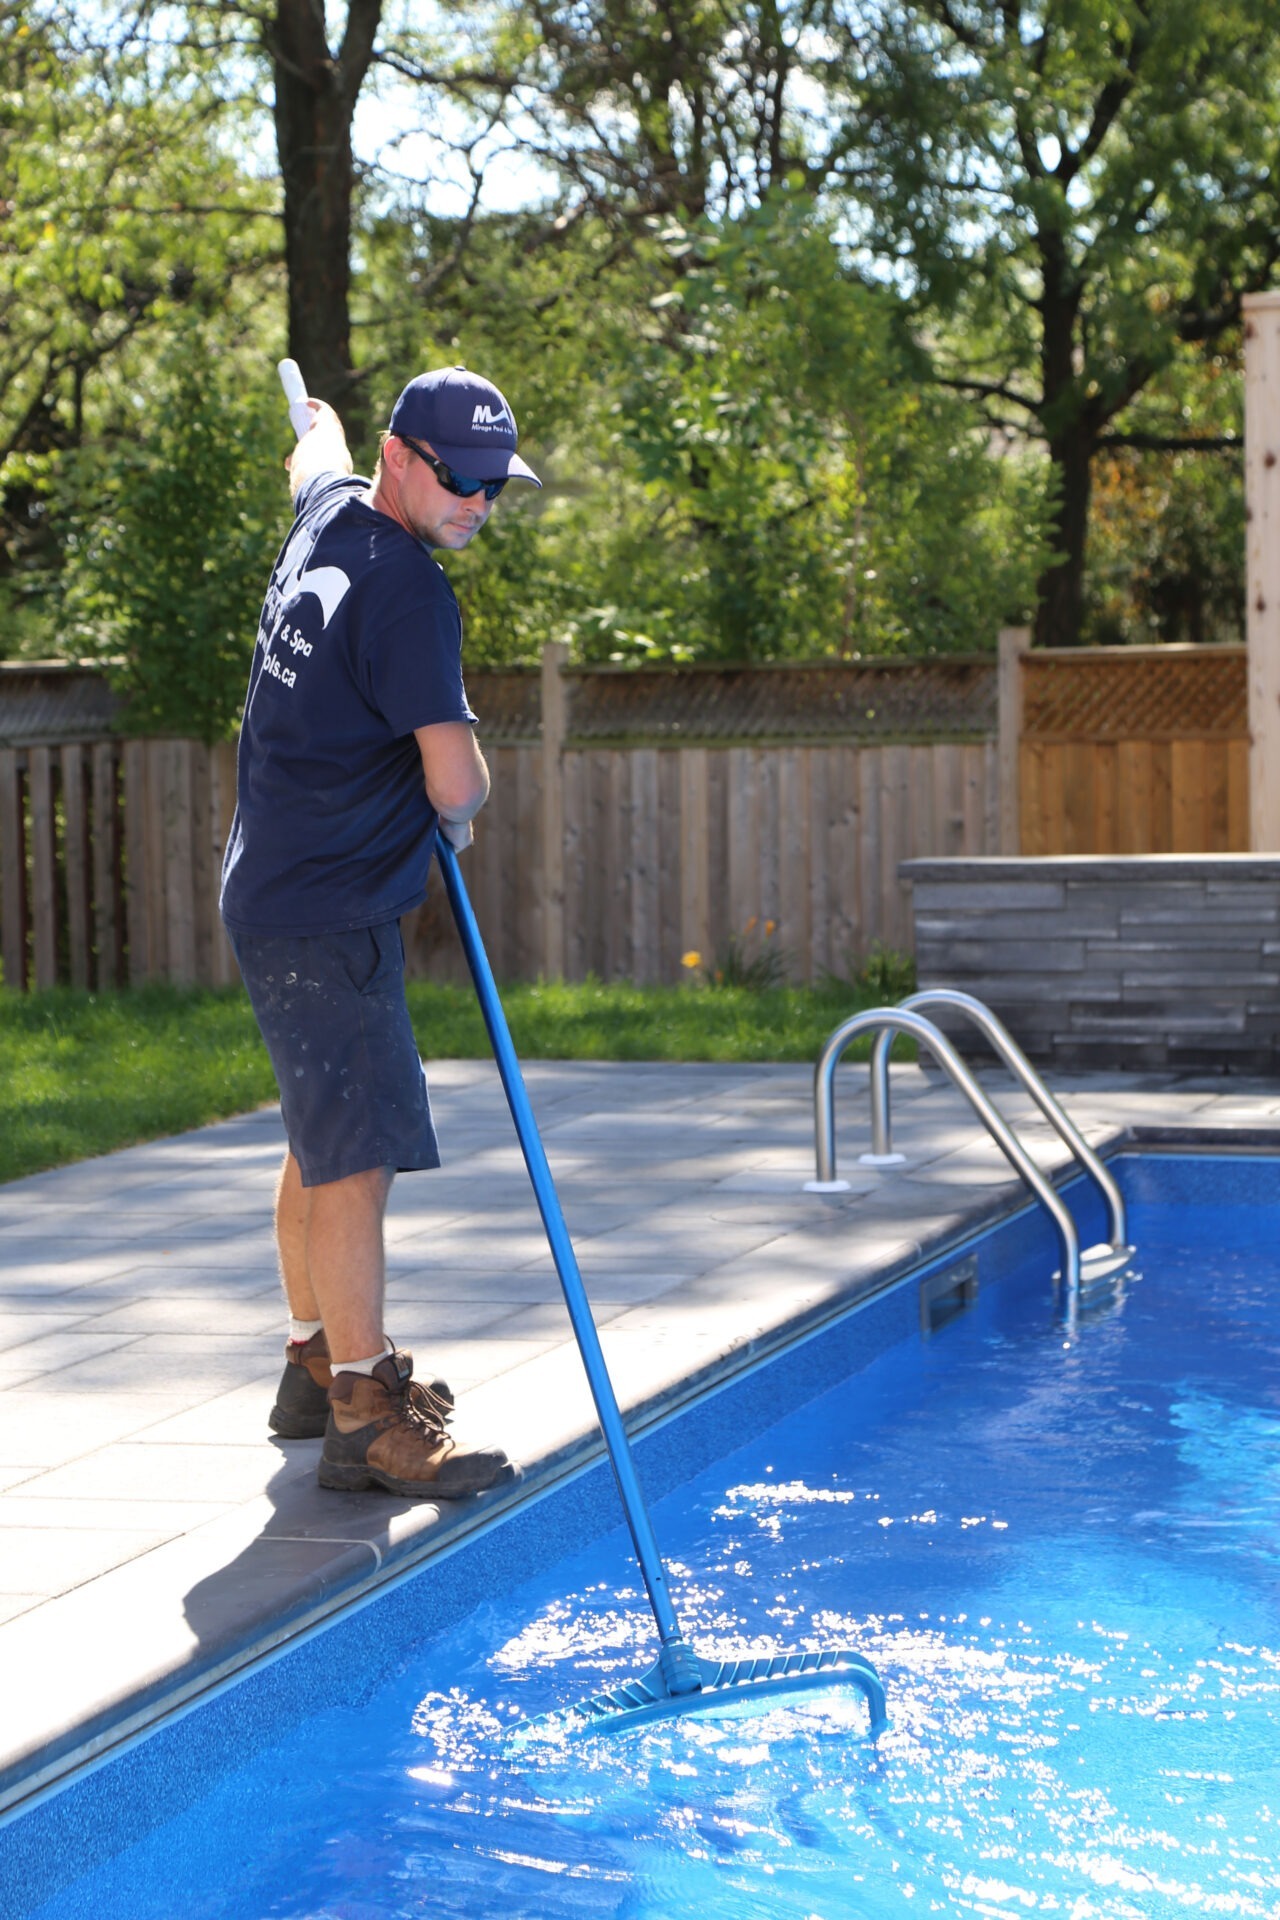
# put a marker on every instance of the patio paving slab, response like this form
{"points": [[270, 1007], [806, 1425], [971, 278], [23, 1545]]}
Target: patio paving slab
{"points": [[155, 1537]]}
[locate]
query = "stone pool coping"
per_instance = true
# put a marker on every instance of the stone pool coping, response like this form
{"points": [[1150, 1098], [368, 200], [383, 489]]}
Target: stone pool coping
{"points": [[157, 1539]]}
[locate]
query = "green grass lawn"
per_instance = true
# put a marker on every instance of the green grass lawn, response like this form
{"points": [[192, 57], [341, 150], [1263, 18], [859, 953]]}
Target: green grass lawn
{"points": [[83, 1073]]}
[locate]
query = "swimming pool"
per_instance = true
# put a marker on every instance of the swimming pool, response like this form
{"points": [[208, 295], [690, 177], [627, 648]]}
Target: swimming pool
{"points": [[1061, 1552]]}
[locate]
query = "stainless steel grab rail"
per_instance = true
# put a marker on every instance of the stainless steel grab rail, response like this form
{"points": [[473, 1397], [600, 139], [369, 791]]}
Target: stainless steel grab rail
{"points": [[915, 1024], [1096, 1261]]}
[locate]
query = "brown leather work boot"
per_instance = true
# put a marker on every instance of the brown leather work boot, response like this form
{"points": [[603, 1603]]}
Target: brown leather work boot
{"points": [[380, 1436], [301, 1411]]}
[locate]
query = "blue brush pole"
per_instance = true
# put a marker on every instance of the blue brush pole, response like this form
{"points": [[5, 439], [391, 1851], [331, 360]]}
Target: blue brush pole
{"points": [[681, 1669]]}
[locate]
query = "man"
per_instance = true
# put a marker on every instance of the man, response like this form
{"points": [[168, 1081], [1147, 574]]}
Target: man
{"points": [[356, 749]]}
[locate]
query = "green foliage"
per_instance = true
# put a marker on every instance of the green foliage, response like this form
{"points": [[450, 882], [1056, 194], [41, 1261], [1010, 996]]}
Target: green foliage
{"points": [[125, 215], [1085, 191], [170, 545], [882, 977], [745, 459], [1167, 529], [751, 959], [808, 289], [1166, 544]]}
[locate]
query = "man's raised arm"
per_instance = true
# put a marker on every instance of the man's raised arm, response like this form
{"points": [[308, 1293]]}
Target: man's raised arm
{"points": [[322, 450]]}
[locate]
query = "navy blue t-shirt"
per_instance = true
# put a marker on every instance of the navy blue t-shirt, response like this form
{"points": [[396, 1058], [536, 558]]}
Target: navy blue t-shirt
{"points": [[360, 642]]}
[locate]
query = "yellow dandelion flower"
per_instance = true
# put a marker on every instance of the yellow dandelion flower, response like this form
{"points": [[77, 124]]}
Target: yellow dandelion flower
{"points": [[691, 959]]}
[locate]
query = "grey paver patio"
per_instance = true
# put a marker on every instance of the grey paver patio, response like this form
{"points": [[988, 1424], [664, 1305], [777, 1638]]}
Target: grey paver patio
{"points": [[154, 1536]]}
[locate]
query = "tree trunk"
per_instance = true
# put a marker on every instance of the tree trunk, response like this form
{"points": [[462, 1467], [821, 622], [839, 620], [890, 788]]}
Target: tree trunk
{"points": [[1071, 433], [1060, 588], [315, 100]]}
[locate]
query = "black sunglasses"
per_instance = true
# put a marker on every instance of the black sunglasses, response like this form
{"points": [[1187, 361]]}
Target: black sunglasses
{"points": [[455, 482]]}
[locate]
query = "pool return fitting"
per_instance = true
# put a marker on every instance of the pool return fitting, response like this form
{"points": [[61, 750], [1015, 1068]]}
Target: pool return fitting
{"points": [[1080, 1270], [681, 1681]]}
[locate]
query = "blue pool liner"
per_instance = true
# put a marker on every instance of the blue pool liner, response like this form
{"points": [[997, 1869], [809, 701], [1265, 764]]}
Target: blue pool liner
{"points": [[116, 1801]]}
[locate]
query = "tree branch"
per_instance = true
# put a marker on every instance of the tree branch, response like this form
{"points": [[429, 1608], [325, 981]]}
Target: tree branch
{"points": [[989, 389], [1109, 102], [1174, 442]]}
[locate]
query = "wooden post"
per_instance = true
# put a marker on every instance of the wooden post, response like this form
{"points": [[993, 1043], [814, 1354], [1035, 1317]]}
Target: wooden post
{"points": [[1014, 642], [1262, 562], [555, 726]]}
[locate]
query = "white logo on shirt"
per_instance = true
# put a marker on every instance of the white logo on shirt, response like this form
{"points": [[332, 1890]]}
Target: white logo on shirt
{"points": [[293, 578]]}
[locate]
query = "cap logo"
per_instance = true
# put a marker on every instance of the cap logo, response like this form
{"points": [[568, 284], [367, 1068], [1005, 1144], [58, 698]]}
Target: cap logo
{"points": [[487, 416]]}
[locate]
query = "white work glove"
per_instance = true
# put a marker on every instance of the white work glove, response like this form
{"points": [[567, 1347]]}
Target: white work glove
{"points": [[458, 833]]}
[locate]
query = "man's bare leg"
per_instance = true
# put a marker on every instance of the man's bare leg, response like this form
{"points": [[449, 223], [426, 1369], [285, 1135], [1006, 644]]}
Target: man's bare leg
{"points": [[331, 1255]]}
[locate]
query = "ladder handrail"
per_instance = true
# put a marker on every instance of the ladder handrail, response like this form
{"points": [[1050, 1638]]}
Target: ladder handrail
{"points": [[1021, 1068], [902, 1020]]}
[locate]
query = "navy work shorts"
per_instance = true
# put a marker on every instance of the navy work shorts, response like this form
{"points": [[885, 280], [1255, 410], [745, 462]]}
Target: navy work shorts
{"points": [[332, 1012]]}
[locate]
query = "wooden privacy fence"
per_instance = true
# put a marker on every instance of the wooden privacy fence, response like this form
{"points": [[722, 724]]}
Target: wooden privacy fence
{"points": [[1124, 750], [637, 817], [109, 859]]}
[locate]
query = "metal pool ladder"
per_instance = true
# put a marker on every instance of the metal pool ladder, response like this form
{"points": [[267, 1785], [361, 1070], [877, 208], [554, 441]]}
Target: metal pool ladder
{"points": [[1079, 1269]]}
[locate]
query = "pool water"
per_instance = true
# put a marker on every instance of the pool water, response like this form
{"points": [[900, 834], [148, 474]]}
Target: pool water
{"points": [[1063, 1554]]}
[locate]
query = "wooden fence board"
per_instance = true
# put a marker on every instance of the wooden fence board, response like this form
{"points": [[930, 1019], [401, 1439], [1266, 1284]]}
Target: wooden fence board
{"points": [[767, 781], [795, 934], [1133, 795], [614, 799], [1238, 796], [576, 964], [891, 907], [204, 892], [646, 852], [1106, 773], [14, 893], [977, 797], [1188, 793], [108, 914], [720, 909], [743, 829], [1161, 796], [918, 816], [76, 862], [820, 838], [44, 867], [174, 761], [1216, 803], [134, 816], [595, 880], [852, 852], [695, 853], [222, 806]]}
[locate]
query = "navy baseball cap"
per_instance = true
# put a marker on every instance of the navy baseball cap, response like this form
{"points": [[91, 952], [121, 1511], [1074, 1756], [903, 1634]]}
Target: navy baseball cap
{"points": [[467, 423]]}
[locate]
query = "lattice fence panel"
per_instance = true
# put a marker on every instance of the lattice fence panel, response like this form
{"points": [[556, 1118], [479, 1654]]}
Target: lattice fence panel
{"points": [[1150, 693]]}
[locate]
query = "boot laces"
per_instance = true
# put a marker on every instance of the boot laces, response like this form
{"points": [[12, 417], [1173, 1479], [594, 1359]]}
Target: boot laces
{"points": [[418, 1409]]}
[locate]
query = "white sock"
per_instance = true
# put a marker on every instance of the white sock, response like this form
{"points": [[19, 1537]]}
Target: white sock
{"points": [[362, 1366], [300, 1331]]}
